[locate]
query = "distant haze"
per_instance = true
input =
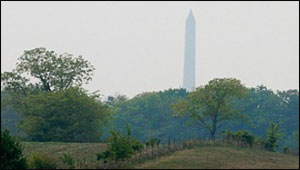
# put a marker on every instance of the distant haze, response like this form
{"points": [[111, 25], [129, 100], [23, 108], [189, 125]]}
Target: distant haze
{"points": [[139, 46]]}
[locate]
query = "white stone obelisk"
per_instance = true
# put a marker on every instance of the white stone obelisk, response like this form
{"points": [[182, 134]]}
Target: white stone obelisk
{"points": [[189, 82]]}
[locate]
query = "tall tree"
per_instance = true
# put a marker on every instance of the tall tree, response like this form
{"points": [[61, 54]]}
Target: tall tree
{"points": [[212, 105]]}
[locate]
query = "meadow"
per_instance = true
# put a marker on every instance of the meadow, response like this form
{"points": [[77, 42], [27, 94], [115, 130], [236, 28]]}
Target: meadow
{"points": [[84, 154], [198, 157], [220, 157]]}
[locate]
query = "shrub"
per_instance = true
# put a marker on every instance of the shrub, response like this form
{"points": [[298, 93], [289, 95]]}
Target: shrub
{"points": [[286, 150], [68, 160], [11, 152], [242, 137], [120, 147], [274, 134], [39, 161], [248, 138]]}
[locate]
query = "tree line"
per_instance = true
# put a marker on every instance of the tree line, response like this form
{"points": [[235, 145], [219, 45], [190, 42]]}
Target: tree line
{"points": [[57, 108]]}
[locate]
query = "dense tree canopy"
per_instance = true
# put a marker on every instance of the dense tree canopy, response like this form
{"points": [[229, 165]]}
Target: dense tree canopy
{"points": [[67, 115], [150, 116]]}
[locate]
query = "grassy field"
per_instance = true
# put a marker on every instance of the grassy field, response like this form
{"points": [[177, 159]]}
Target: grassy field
{"points": [[84, 154], [220, 157], [206, 157]]}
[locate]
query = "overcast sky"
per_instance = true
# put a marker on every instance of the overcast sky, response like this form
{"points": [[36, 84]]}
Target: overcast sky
{"points": [[139, 46]]}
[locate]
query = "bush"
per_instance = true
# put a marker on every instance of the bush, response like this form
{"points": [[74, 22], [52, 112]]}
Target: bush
{"points": [[286, 150], [274, 134], [120, 147], [11, 152], [241, 137], [39, 161], [68, 160]]}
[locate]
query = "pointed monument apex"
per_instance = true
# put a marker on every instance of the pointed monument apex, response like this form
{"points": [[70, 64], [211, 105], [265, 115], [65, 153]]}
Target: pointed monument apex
{"points": [[190, 16], [191, 13]]}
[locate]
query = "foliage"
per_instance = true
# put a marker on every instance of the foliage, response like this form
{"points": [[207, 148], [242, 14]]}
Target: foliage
{"points": [[54, 108], [54, 72], [11, 152], [68, 160], [296, 136], [243, 137], [151, 116], [10, 119], [42, 161], [274, 134], [211, 105], [120, 147], [286, 150], [264, 106], [66, 115]]}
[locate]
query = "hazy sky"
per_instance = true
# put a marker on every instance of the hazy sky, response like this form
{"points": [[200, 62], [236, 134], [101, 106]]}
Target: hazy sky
{"points": [[139, 46]]}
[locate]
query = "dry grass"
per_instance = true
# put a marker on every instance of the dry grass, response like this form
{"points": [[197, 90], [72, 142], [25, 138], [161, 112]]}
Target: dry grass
{"points": [[223, 157], [205, 157], [84, 154]]}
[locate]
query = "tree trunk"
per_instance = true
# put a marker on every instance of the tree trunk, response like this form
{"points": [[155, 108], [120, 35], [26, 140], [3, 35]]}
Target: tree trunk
{"points": [[214, 128]]}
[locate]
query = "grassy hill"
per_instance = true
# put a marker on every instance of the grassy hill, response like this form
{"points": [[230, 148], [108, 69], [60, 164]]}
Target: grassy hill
{"points": [[212, 157], [223, 157], [84, 154]]}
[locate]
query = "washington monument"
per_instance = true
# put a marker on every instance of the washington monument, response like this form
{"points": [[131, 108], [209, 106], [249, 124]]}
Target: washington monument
{"points": [[189, 82]]}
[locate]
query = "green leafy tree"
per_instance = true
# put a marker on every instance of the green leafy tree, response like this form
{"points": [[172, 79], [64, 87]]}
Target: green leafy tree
{"points": [[53, 72], [66, 115], [212, 105], [274, 134], [11, 152]]}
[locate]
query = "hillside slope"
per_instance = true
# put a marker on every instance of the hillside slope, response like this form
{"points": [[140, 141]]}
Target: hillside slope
{"points": [[221, 157], [84, 154]]}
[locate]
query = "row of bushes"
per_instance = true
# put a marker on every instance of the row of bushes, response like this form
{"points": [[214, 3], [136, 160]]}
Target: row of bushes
{"points": [[246, 138]]}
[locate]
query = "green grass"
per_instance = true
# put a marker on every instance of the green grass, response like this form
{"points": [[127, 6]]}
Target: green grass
{"points": [[222, 157]]}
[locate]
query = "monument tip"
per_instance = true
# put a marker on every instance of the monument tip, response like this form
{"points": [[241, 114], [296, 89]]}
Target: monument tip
{"points": [[191, 14]]}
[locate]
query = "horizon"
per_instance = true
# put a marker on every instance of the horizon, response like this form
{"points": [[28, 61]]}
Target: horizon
{"points": [[138, 47]]}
